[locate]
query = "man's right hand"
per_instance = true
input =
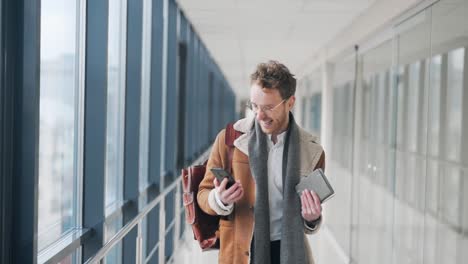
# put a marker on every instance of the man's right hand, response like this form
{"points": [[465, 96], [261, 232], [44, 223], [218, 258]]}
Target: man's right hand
{"points": [[230, 195]]}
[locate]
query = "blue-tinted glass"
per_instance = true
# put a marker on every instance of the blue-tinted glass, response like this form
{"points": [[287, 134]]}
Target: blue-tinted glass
{"points": [[115, 104], [145, 95], [58, 120]]}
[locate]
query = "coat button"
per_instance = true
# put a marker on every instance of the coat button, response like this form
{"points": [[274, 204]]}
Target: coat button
{"points": [[247, 253]]}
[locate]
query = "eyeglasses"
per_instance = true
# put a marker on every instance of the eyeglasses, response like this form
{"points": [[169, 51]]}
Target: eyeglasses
{"points": [[265, 109]]}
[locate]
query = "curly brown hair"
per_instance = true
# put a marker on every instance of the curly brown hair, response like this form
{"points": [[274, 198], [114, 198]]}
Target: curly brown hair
{"points": [[274, 75]]}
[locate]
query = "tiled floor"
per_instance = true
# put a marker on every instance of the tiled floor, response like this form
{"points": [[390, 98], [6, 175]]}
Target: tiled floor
{"points": [[190, 253]]}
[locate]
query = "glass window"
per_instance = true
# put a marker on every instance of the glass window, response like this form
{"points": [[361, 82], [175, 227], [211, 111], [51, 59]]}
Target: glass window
{"points": [[145, 95], [373, 109], [366, 87], [447, 123], [450, 184], [412, 108], [434, 102], [413, 42], [380, 106], [145, 112], [455, 64], [110, 229], [401, 90], [115, 104], [115, 123], [432, 187], [316, 111], [304, 113], [58, 124], [69, 259]]}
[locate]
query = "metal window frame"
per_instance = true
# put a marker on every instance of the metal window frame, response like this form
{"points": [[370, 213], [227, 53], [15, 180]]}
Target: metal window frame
{"points": [[20, 127], [120, 208], [95, 125], [81, 118], [24, 50], [21, 40], [163, 106], [181, 84], [169, 108], [9, 42], [70, 242], [156, 94], [134, 36], [156, 121]]}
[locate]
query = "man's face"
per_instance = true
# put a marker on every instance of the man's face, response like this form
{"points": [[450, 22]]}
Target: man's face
{"points": [[273, 112]]}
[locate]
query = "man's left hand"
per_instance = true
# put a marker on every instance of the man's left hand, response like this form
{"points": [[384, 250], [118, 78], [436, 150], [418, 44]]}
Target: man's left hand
{"points": [[311, 209]]}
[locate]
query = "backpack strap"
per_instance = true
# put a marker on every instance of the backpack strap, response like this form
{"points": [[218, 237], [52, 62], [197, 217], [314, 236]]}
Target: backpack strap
{"points": [[231, 135]]}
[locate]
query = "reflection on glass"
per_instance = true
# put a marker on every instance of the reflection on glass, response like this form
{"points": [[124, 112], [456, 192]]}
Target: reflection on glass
{"points": [[413, 100], [434, 102], [427, 218], [58, 124], [432, 187], [450, 195], [115, 104], [316, 111], [366, 109], [455, 66], [145, 95], [401, 89], [374, 90], [449, 37], [304, 113], [380, 102], [70, 259], [111, 229]]}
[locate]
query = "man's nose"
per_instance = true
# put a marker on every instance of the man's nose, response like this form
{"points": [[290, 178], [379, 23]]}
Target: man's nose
{"points": [[260, 115]]}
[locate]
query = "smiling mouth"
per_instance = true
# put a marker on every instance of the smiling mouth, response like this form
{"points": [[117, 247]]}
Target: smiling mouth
{"points": [[267, 123]]}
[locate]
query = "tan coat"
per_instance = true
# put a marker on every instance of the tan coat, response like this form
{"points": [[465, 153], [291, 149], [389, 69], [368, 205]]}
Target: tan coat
{"points": [[236, 233]]}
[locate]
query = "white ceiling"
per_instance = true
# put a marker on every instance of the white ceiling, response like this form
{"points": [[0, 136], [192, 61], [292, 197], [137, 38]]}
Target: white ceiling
{"points": [[241, 33]]}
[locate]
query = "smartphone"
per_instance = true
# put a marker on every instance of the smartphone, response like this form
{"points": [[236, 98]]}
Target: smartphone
{"points": [[220, 174]]}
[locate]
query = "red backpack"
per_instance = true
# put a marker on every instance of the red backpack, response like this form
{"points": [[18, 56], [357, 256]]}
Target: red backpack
{"points": [[205, 227]]}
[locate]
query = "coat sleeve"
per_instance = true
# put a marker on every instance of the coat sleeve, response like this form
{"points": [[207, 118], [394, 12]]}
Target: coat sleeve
{"points": [[206, 192], [310, 228]]}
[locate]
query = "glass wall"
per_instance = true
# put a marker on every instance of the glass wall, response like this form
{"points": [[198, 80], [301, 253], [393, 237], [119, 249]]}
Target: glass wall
{"points": [[413, 42], [310, 102], [145, 94], [116, 73], [341, 149], [115, 103], [144, 156], [90, 183], [409, 181], [59, 176], [315, 112], [446, 215]]}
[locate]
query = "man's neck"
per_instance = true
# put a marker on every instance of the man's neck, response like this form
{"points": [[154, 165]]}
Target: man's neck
{"points": [[274, 137]]}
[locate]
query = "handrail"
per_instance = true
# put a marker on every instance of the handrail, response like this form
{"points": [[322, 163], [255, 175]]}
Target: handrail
{"points": [[129, 226], [137, 221]]}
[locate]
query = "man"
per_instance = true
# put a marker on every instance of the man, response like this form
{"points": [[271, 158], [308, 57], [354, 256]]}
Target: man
{"points": [[266, 220]]}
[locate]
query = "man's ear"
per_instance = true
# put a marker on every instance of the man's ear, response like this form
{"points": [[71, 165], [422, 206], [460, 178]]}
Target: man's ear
{"points": [[291, 102]]}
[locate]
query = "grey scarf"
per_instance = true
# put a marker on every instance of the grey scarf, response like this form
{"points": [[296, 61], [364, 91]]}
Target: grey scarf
{"points": [[292, 234]]}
